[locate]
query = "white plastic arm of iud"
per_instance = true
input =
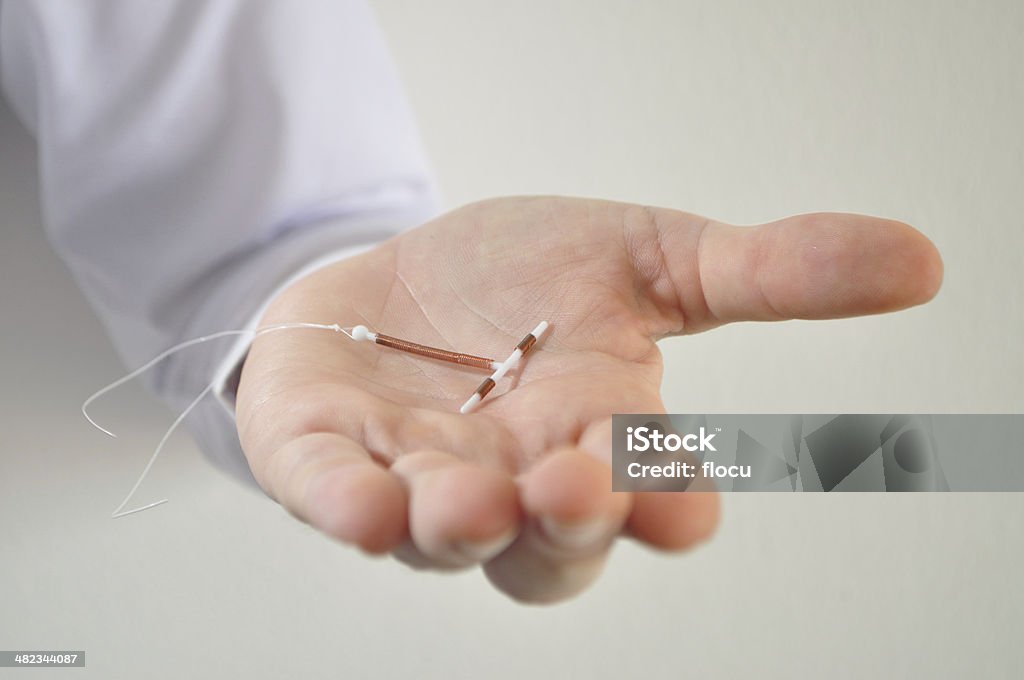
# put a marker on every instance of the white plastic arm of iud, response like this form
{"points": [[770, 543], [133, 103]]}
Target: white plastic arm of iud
{"points": [[470, 404], [513, 360]]}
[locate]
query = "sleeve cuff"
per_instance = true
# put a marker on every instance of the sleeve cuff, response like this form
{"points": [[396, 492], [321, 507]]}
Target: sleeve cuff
{"points": [[228, 372]]}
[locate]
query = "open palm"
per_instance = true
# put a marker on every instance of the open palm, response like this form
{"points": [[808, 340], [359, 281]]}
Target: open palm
{"points": [[367, 444]]}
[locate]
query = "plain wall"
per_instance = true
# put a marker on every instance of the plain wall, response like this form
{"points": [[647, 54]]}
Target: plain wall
{"points": [[743, 111]]}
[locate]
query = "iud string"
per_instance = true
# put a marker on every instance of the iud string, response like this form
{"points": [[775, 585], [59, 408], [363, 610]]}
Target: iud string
{"points": [[356, 333]]}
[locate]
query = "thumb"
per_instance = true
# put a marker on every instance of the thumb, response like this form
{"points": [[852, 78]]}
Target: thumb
{"points": [[814, 266]]}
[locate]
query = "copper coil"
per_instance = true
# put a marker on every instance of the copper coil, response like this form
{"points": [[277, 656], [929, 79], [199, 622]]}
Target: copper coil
{"points": [[485, 387], [434, 352], [527, 343]]}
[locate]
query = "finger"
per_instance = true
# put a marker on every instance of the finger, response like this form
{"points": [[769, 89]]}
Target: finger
{"points": [[460, 514], [674, 520], [665, 520], [815, 266], [572, 519], [330, 482], [270, 415]]}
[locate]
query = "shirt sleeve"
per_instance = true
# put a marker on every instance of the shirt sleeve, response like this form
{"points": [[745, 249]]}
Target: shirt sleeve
{"points": [[195, 156]]}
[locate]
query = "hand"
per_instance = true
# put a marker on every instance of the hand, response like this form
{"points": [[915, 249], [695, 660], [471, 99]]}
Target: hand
{"points": [[366, 443]]}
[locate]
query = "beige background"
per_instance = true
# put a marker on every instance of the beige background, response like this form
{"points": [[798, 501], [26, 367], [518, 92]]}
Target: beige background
{"points": [[745, 111]]}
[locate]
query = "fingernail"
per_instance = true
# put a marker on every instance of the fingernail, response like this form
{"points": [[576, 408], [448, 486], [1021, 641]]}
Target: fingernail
{"points": [[482, 551], [578, 535]]}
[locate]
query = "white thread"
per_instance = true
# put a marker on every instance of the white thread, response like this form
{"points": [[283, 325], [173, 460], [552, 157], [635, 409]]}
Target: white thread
{"points": [[357, 333], [255, 332], [188, 343], [152, 459]]}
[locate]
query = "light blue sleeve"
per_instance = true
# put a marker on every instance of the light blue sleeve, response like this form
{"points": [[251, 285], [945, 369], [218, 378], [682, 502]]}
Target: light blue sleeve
{"points": [[195, 155]]}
